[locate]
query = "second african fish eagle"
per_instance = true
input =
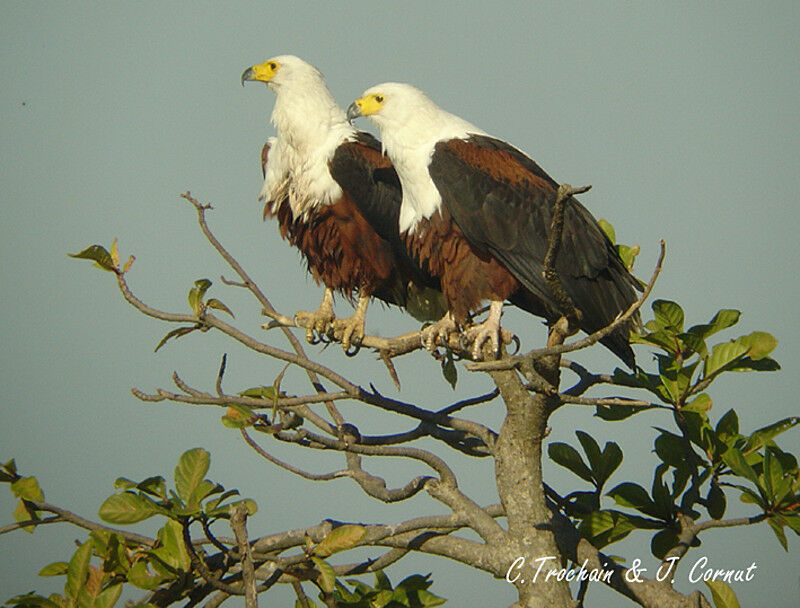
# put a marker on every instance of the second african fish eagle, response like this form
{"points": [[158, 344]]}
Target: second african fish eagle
{"points": [[476, 212], [337, 199]]}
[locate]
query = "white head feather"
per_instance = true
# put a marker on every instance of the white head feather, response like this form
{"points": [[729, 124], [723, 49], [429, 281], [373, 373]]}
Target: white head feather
{"points": [[411, 124], [310, 126]]}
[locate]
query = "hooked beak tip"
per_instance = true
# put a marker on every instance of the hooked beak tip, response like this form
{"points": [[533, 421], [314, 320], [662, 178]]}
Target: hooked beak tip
{"points": [[353, 112], [247, 75]]}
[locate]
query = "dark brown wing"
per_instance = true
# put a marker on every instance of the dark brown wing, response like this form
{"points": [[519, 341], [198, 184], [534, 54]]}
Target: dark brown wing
{"points": [[502, 201]]}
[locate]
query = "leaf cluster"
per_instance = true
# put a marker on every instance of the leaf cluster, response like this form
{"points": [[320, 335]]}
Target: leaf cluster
{"points": [[700, 463]]}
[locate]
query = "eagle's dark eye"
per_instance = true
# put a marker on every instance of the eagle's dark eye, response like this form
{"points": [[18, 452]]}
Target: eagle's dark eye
{"points": [[379, 98], [273, 65]]}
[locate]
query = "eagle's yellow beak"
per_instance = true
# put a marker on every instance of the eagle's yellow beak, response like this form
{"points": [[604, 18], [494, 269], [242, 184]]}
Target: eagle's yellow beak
{"points": [[260, 73], [365, 106]]}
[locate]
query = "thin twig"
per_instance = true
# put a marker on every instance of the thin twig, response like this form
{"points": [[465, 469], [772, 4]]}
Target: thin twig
{"points": [[563, 300]]}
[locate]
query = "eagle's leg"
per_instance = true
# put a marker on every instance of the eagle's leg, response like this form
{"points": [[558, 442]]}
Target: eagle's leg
{"points": [[442, 329], [351, 331], [320, 321], [488, 330]]}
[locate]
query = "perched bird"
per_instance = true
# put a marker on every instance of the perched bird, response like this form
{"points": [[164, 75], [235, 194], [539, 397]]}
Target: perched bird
{"points": [[337, 199], [476, 212]]}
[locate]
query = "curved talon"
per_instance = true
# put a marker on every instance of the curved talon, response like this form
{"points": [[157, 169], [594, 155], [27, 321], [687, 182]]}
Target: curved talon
{"points": [[318, 324], [441, 331], [517, 342], [350, 332]]}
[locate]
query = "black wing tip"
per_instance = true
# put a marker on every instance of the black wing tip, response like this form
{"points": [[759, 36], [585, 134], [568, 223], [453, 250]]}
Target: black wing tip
{"points": [[618, 345]]}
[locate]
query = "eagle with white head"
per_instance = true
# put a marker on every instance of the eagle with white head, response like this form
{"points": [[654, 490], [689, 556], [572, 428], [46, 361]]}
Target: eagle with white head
{"points": [[337, 199], [476, 212]]}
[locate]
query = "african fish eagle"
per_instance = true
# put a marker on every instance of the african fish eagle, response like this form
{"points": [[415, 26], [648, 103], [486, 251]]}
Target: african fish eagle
{"points": [[336, 198], [476, 212]]}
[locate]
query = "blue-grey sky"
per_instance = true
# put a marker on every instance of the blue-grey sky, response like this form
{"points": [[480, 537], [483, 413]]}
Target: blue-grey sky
{"points": [[685, 118]]}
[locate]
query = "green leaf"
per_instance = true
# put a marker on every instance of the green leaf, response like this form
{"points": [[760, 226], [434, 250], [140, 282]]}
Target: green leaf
{"points": [[175, 333], [172, 550], [382, 581], [569, 458], [662, 497], [701, 403], [78, 570], [99, 255], [602, 528], [716, 502], [449, 370], [327, 575], [670, 448], [723, 355], [628, 255], [192, 467], [34, 600], [260, 392], [722, 594], [140, 576], [614, 413], [793, 522], [196, 294], [662, 542], [127, 508], [108, 597], [608, 230], [54, 569], [238, 417], [252, 507], [632, 495], [216, 304], [123, 483], [692, 343], [415, 582], [746, 364], [759, 344], [22, 513], [339, 539], [728, 427], [8, 471], [115, 252], [155, 486], [661, 338], [722, 320], [591, 449], [612, 458], [27, 488], [765, 434], [212, 505], [668, 315], [736, 461]]}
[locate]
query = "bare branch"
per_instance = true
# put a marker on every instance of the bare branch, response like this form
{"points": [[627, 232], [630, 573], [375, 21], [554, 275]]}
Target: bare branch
{"points": [[587, 379], [89, 525], [285, 465], [690, 531], [564, 301], [30, 523], [239, 526], [611, 401]]}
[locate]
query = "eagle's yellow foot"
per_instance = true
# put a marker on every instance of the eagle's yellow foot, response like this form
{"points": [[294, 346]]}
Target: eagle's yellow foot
{"points": [[351, 331], [439, 331], [319, 323], [489, 330]]}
